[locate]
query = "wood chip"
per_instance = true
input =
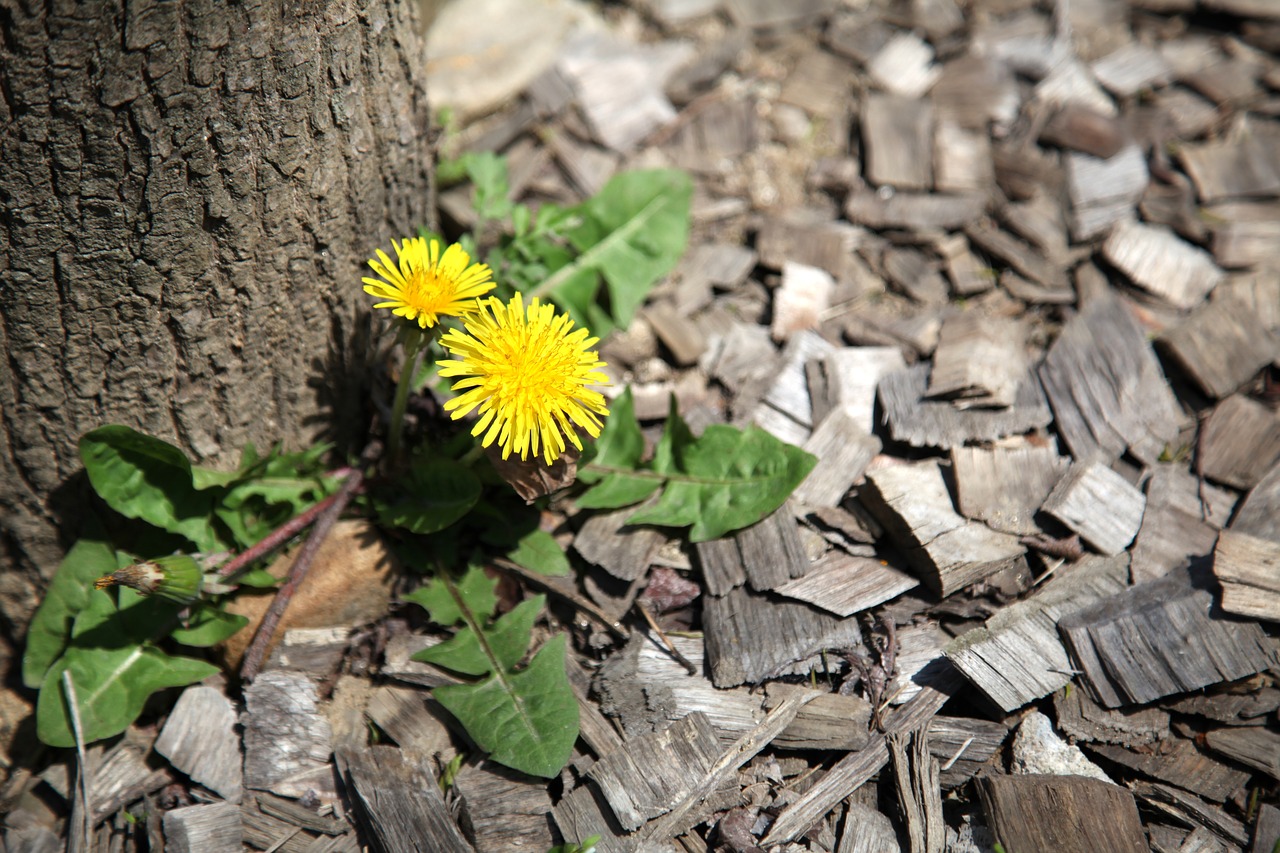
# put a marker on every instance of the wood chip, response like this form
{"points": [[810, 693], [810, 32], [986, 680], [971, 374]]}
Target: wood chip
{"points": [[681, 336], [1018, 656], [1243, 234], [980, 361], [828, 721], [808, 237], [846, 379], [1183, 644], [751, 636], [1083, 720], [771, 551], [1067, 814], [915, 774], [648, 775], [962, 159], [1106, 387], [867, 831], [897, 137], [913, 210], [1017, 255], [1178, 761], [1181, 521], [1248, 569], [801, 300], [200, 739], [947, 550], [915, 275], [1221, 346], [1132, 68], [1252, 746], [1162, 264], [844, 584], [929, 423], [1190, 810], [963, 746], [1239, 442], [1103, 192], [844, 449], [968, 275], [1261, 507], [1003, 487], [1078, 128], [622, 550], [212, 828], [287, 742], [401, 805], [1247, 168], [1100, 505], [904, 66]]}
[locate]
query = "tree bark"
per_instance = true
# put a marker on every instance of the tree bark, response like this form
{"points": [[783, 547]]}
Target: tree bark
{"points": [[188, 194]]}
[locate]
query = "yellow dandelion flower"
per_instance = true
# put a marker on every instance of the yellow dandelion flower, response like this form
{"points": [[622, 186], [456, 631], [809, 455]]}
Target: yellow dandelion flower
{"points": [[527, 371], [424, 285]]}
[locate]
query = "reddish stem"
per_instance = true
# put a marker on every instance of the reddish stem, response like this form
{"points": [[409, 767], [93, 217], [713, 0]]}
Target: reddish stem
{"points": [[277, 537], [329, 510]]}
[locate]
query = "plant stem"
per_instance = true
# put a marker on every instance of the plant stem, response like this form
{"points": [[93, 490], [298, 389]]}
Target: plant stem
{"points": [[297, 572], [279, 536], [413, 344], [468, 459]]}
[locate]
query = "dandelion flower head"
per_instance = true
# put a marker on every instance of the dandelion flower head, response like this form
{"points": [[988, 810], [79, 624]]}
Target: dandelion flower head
{"points": [[424, 285], [527, 371]]}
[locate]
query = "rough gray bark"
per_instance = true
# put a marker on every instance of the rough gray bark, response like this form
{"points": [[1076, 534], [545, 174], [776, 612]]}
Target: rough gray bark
{"points": [[189, 191]]}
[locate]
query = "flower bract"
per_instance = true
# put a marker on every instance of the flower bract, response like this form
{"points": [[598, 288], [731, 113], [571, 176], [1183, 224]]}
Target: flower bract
{"points": [[527, 372], [423, 284]]}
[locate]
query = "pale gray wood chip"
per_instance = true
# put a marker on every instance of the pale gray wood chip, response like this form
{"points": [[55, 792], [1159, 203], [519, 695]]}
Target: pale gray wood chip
{"points": [[200, 739], [1100, 505]]}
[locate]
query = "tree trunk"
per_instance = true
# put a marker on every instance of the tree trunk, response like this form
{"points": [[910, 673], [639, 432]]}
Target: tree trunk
{"points": [[188, 193]]}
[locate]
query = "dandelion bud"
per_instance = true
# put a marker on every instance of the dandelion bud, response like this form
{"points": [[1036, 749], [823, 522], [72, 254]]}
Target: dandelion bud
{"points": [[177, 578]]}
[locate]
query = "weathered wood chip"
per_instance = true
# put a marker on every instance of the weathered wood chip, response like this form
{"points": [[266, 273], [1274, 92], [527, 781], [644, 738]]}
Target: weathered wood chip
{"points": [[1106, 387], [1244, 234], [1181, 521], [931, 423], [771, 550], [963, 746], [1178, 761], [681, 336], [788, 395], [1184, 642], [915, 275], [980, 361], [846, 379], [1189, 810], [844, 449], [1099, 504], [962, 160], [406, 716], [913, 210], [867, 831], [1067, 814], [1021, 257], [809, 237], [1079, 128], [1163, 264], [949, 551], [622, 550], [828, 721], [401, 804], [1082, 719], [768, 14], [121, 775], [1018, 656], [649, 774], [968, 275], [1003, 487], [1104, 191], [845, 584], [752, 636], [904, 66], [801, 300], [212, 828], [1239, 442], [897, 139], [1261, 508], [1248, 568], [287, 742], [200, 739], [1247, 168], [1252, 746], [915, 774], [819, 84], [1132, 68], [1221, 345]]}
